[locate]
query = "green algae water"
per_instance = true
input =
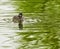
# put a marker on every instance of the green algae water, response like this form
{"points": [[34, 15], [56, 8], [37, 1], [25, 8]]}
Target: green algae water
{"points": [[41, 25]]}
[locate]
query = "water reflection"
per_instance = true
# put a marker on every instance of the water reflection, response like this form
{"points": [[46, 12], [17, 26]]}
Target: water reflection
{"points": [[35, 35], [6, 7], [7, 35], [10, 36], [4, 0]]}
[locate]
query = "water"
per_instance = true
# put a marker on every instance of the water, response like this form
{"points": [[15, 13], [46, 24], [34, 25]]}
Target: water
{"points": [[8, 29], [34, 34]]}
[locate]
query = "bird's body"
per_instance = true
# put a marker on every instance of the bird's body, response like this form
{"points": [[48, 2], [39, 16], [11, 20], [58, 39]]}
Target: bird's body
{"points": [[18, 19], [15, 19]]}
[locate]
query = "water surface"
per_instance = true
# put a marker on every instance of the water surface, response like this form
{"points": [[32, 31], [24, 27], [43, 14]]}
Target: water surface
{"points": [[35, 35]]}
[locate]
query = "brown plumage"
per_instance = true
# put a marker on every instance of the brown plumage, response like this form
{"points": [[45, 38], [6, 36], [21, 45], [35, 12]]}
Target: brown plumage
{"points": [[18, 19]]}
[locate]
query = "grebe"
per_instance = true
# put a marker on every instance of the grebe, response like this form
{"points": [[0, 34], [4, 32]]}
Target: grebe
{"points": [[18, 19]]}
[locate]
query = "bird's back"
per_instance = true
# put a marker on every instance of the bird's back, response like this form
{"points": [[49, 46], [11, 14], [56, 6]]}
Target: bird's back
{"points": [[15, 19]]}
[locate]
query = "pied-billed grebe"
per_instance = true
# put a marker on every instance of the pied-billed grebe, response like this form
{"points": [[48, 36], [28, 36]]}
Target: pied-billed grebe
{"points": [[18, 19]]}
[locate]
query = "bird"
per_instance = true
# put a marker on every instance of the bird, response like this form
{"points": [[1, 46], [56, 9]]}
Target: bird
{"points": [[18, 19]]}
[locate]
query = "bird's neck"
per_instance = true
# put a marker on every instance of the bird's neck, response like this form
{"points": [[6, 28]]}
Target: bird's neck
{"points": [[20, 16]]}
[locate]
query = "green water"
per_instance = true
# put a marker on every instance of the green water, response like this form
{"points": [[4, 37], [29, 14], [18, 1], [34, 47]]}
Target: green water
{"points": [[40, 27]]}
